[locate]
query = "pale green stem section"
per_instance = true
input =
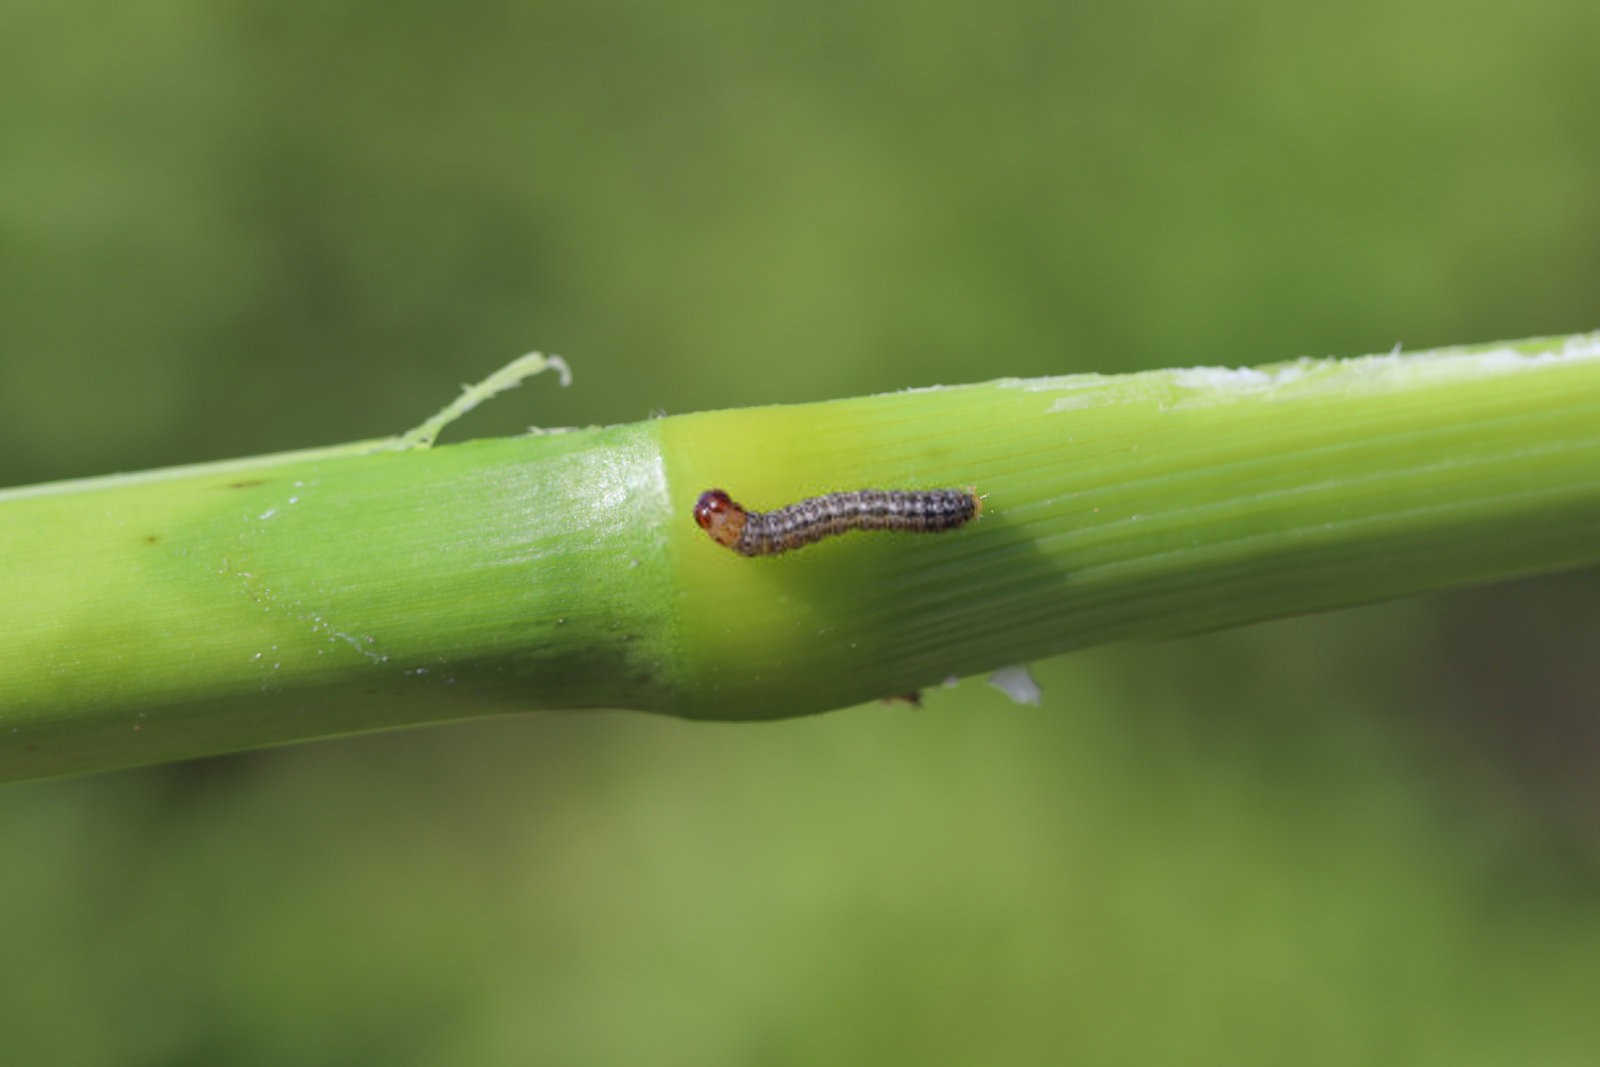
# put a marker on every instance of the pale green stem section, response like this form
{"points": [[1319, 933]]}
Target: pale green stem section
{"points": [[230, 605]]}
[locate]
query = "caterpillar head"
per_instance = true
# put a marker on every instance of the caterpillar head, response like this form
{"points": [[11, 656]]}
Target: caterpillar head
{"points": [[719, 516]]}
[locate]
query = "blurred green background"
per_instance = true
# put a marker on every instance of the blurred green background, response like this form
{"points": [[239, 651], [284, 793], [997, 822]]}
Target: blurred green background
{"points": [[229, 228]]}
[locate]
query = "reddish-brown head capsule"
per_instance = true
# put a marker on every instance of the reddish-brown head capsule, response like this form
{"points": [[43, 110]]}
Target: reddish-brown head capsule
{"points": [[757, 533], [720, 517]]}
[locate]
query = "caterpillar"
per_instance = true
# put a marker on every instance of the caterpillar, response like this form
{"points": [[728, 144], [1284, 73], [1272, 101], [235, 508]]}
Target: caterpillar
{"points": [[767, 533]]}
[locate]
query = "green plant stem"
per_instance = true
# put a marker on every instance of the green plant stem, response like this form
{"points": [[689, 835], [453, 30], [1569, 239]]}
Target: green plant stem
{"points": [[204, 609]]}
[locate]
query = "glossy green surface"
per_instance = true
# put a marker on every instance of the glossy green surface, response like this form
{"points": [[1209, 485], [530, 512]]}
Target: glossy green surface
{"points": [[1148, 505], [195, 613], [200, 613]]}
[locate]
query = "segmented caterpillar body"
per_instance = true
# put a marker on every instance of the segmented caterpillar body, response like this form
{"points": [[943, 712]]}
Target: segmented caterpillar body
{"points": [[758, 533]]}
